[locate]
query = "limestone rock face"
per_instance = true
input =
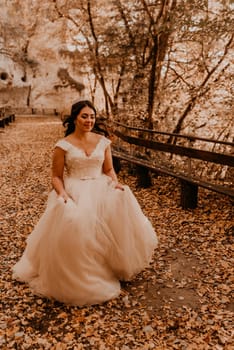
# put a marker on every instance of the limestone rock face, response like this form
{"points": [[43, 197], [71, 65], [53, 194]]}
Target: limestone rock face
{"points": [[34, 72]]}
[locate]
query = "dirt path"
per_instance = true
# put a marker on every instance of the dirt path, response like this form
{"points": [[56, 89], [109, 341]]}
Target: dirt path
{"points": [[183, 301]]}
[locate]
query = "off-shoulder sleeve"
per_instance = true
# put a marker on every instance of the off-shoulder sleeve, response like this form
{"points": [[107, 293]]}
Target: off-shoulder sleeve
{"points": [[106, 141], [62, 144]]}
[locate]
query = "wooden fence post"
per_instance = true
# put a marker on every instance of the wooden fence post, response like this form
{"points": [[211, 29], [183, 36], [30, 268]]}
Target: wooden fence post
{"points": [[116, 164], [143, 177], [188, 197]]}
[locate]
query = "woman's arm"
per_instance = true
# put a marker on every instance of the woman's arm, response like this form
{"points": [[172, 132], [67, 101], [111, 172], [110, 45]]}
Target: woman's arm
{"points": [[57, 173], [108, 168]]}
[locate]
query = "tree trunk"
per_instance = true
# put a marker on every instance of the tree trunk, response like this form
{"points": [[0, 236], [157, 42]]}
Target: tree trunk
{"points": [[152, 80]]}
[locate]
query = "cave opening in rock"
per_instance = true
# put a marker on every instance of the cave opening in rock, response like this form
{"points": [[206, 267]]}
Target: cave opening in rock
{"points": [[3, 76]]}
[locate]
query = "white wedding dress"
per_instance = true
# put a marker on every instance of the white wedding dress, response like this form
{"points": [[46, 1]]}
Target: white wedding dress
{"points": [[80, 250]]}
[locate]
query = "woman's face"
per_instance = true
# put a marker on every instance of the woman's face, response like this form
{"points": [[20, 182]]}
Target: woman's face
{"points": [[85, 120]]}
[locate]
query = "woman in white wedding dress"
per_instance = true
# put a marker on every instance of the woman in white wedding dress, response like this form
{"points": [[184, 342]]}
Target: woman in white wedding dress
{"points": [[93, 233]]}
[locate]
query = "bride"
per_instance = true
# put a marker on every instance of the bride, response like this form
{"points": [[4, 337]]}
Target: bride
{"points": [[93, 233]]}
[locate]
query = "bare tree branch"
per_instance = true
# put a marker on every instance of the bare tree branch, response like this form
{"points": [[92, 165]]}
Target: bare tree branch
{"points": [[200, 90]]}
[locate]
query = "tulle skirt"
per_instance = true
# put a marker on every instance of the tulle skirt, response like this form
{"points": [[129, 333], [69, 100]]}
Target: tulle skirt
{"points": [[80, 250]]}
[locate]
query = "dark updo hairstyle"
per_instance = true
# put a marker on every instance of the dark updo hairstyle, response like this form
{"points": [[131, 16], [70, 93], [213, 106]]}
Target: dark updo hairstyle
{"points": [[69, 122]]}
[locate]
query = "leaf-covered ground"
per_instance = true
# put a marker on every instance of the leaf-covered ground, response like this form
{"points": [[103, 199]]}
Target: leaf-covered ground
{"points": [[183, 301]]}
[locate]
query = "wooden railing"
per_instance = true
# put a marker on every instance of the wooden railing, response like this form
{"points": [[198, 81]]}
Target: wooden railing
{"points": [[134, 145], [7, 114], [5, 117]]}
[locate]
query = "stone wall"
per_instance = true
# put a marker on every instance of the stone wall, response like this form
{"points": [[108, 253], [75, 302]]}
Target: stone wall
{"points": [[14, 96]]}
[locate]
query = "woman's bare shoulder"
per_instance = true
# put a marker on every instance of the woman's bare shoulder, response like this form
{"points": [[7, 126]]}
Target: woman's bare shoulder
{"points": [[68, 137], [96, 136]]}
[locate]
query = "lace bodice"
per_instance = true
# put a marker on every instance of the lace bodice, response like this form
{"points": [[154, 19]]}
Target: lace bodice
{"points": [[80, 165]]}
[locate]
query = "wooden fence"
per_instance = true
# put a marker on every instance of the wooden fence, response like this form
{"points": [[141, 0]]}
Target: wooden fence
{"points": [[5, 117], [134, 145]]}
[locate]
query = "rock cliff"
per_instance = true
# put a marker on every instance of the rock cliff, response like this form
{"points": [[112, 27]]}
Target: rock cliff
{"points": [[34, 72]]}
